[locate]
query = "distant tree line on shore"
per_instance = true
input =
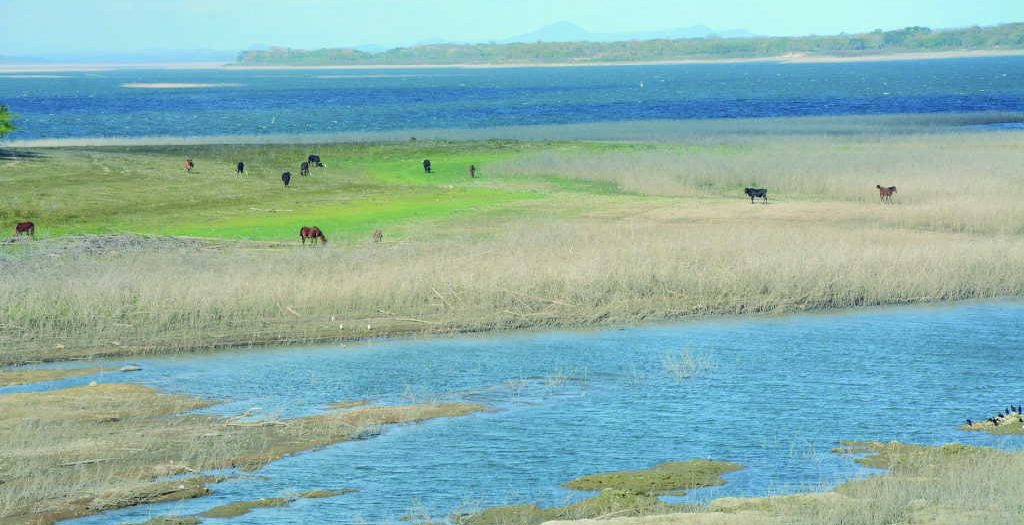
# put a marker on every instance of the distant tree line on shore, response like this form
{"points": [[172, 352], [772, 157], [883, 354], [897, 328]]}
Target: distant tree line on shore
{"points": [[910, 39]]}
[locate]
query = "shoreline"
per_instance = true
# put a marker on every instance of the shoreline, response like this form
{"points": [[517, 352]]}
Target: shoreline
{"points": [[415, 329], [624, 130], [793, 58]]}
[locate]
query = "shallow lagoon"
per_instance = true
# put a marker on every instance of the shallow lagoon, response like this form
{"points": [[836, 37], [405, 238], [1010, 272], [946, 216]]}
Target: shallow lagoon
{"points": [[779, 394]]}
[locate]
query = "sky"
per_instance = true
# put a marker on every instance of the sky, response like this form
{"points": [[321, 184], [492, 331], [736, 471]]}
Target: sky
{"points": [[53, 27]]}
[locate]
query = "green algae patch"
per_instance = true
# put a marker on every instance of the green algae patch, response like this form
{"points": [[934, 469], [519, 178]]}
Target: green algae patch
{"points": [[171, 520], [1010, 425], [323, 494], [612, 502], [240, 508], [622, 494], [664, 478], [343, 405], [24, 377], [904, 458]]}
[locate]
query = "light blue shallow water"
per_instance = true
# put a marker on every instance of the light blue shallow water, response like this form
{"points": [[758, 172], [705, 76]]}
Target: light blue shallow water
{"points": [[262, 102], [782, 392]]}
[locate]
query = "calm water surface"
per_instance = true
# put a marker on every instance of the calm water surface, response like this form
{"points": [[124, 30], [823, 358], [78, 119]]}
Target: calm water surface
{"points": [[264, 102], [781, 393]]}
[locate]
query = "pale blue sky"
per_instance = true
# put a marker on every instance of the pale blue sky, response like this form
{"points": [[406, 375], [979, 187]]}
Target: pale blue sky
{"points": [[43, 27]]}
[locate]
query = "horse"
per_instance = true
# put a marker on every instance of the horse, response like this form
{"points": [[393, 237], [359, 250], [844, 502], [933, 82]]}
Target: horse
{"points": [[240, 168], [314, 160], [304, 169], [885, 194], [378, 236], [313, 234], [286, 177], [426, 165], [189, 165], [472, 171], [25, 228], [760, 193]]}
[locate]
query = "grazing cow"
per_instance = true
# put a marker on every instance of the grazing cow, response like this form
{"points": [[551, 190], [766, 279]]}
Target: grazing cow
{"points": [[189, 165], [426, 165], [885, 194], [378, 236], [25, 228], [472, 171], [759, 193], [314, 160], [240, 168], [304, 169], [313, 234], [286, 178]]}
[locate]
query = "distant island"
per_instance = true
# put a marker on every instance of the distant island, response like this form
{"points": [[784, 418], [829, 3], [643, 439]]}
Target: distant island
{"points": [[910, 40]]}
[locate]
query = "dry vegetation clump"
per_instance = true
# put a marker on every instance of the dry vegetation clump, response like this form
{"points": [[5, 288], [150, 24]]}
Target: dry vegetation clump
{"points": [[115, 445]]}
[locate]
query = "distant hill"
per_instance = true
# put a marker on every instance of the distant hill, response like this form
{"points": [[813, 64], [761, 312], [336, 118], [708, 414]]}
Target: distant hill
{"points": [[910, 39], [569, 32]]}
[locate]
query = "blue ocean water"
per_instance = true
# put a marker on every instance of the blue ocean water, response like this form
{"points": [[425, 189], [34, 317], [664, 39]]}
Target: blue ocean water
{"points": [[307, 101], [776, 396]]}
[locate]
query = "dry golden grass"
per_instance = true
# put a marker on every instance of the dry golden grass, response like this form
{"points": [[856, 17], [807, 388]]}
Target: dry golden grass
{"points": [[113, 445], [24, 377]]}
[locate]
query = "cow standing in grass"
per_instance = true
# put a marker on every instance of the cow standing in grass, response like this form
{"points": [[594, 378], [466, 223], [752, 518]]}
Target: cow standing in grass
{"points": [[426, 165], [378, 236], [304, 169], [286, 178], [25, 228], [759, 193], [240, 168], [885, 194], [314, 160], [189, 165]]}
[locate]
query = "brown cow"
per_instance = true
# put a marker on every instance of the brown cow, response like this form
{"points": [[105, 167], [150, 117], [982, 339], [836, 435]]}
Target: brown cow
{"points": [[378, 236], [313, 234], [25, 228], [189, 165], [885, 194]]}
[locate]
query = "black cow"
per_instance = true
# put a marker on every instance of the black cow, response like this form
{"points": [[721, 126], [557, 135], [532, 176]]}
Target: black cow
{"points": [[240, 169], [304, 169], [426, 165], [759, 193], [286, 178], [314, 160]]}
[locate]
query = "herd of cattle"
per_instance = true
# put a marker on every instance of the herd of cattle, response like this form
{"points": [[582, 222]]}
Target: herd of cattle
{"points": [[314, 235]]}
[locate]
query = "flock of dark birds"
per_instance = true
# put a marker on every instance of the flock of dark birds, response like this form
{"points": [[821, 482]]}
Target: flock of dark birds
{"points": [[1003, 417]]}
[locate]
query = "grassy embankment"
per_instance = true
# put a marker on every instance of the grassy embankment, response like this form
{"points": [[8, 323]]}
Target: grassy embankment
{"points": [[83, 450], [552, 234]]}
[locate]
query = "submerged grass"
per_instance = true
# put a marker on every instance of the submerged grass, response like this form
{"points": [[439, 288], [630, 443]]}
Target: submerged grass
{"points": [[118, 445]]}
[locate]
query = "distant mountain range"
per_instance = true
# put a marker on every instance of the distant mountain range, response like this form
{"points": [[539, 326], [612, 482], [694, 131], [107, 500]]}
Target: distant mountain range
{"points": [[570, 32]]}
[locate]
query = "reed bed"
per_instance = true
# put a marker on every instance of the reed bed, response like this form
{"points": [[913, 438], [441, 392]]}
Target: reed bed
{"points": [[581, 272]]}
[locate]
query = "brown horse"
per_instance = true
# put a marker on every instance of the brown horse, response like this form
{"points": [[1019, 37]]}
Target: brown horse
{"points": [[885, 194], [25, 228], [313, 234], [378, 236]]}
